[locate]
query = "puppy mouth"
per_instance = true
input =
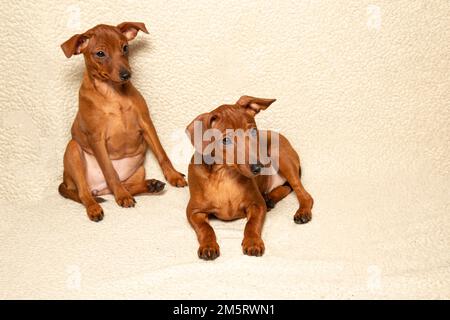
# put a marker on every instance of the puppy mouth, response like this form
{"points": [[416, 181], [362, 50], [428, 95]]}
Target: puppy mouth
{"points": [[107, 77], [118, 81], [251, 175], [248, 173], [255, 174]]}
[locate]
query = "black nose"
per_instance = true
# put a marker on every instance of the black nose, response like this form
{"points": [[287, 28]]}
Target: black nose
{"points": [[124, 75], [256, 168]]}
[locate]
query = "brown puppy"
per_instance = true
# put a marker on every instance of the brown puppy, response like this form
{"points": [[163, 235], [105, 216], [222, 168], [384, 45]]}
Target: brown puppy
{"points": [[112, 128], [232, 189]]}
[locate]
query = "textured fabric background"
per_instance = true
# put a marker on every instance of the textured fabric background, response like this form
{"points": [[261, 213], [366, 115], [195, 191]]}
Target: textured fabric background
{"points": [[363, 91]]}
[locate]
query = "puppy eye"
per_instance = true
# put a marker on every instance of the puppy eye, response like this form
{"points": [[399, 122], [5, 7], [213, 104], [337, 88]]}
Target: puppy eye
{"points": [[253, 132], [100, 54], [227, 141], [125, 48]]}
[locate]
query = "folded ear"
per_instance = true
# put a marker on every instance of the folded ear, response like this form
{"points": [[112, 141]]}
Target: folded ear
{"points": [[196, 129], [253, 105], [131, 29], [75, 45]]}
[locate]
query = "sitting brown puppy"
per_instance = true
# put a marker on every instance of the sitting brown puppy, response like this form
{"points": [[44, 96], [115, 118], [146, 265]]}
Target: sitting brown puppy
{"points": [[112, 128], [228, 179]]}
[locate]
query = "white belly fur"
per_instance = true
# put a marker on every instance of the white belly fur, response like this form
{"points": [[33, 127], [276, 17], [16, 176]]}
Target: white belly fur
{"points": [[125, 168]]}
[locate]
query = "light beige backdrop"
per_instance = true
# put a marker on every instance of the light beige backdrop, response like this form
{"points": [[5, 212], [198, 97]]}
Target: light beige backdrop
{"points": [[363, 91]]}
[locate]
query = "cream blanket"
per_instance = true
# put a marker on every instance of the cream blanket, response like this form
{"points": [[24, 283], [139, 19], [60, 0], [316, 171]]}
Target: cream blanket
{"points": [[363, 95]]}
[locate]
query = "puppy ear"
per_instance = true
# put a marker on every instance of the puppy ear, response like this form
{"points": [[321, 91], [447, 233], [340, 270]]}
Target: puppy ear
{"points": [[197, 128], [131, 29], [75, 45], [253, 105]]}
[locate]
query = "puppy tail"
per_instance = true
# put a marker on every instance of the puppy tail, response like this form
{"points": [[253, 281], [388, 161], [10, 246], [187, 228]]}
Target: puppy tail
{"points": [[73, 194]]}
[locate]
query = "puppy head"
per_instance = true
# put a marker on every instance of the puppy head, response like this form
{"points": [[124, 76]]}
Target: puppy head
{"points": [[105, 49], [228, 135]]}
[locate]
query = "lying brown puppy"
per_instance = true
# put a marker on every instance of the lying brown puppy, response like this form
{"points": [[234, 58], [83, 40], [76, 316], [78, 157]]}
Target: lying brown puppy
{"points": [[231, 189], [112, 128]]}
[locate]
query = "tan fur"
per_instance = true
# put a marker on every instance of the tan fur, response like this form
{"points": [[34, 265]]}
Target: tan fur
{"points": [[112, 128], [231, 191]]}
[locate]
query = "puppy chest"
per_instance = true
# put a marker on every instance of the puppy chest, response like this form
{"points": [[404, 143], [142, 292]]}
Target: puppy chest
{"points": [[227, 199], [123, 127]]}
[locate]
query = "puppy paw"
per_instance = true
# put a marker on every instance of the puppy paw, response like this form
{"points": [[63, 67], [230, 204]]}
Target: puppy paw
{"points": [[154, 186], [209, 251], [302, 216], [176, 179], [253, 246], [270, 204], [95, 212], [125, 200]]}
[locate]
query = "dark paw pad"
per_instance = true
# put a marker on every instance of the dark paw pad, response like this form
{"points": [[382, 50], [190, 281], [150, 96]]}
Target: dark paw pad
{"points": [[270, 204], [99, 199], [126, 202], [253, 247], [209, 252], [95, 212], [301, 218], [96, 218], [154, 186]]}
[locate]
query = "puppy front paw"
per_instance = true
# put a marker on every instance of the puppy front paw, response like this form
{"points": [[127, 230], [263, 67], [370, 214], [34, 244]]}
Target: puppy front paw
{"points": [[253, 246], [125, 200], [209, 251], [155, 186], [302, 216], [176, 179], [95, 212]]}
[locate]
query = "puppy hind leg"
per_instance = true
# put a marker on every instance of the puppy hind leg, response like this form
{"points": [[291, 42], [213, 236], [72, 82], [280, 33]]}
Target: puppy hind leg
{"points": [[75, 181], [276, 195], [290, 169], [136, 184], [68, 189]]}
